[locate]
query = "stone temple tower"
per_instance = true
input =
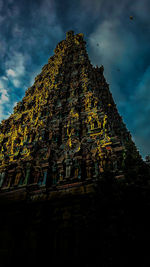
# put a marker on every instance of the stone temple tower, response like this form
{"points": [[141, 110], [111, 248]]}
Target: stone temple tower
{"points": [[67, 128], [64, 138]]}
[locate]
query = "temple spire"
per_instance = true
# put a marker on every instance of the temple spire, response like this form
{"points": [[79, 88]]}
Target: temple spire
{"points": [[67, 127]]}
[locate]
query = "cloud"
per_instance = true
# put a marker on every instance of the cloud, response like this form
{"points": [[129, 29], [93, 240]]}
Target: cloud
{"points": [[109, 52], [93, 7], [141, 104], [3, 48], [4, 98], [110, 42], [15, 65], [15, 68], [143, 88], [16, 83], [3, 94], [10, 73], [4, 78], [141, 9], [1, 4]]}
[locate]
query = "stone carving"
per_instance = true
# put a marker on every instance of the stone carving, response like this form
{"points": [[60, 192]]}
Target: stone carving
{"points": [[2, 176], [19, 176], [27, 174], [54, 173], [7, 181], [36, 174], [68, 163], [44, 177], [68, 118]]}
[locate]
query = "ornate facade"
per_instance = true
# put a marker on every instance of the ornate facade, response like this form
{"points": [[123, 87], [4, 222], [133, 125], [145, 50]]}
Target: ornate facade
{"points": [[70, 173], [67, 127]]}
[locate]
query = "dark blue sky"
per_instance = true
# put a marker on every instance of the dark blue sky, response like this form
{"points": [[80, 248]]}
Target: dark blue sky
{"points": [[31, 29]]}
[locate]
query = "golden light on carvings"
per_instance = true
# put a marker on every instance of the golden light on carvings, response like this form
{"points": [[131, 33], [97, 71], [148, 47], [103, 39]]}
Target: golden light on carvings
{"points": [[66, 123]]}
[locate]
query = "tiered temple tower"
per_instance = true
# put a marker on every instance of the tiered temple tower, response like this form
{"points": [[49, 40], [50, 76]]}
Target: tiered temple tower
{"points": [[67, 128], [74, 190]]}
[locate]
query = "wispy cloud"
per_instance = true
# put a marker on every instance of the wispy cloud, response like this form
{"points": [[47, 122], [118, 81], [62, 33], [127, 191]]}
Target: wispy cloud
{"points": [[4, 98], [15, 69], [10, 73], [4, 95], [15, 65]]}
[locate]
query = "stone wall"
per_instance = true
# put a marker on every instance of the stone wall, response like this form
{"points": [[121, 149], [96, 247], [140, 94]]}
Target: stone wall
{"points": [[94, 225]]}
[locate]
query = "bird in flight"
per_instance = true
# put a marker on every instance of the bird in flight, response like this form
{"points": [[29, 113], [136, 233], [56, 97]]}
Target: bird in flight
{"points": [[131, 17]]}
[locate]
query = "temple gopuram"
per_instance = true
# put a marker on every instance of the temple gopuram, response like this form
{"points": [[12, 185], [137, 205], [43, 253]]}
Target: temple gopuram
{"points": [[72, 182]]}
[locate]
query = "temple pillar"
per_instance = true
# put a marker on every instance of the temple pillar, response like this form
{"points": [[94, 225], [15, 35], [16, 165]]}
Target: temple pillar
{"points": [[2, 177]]}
